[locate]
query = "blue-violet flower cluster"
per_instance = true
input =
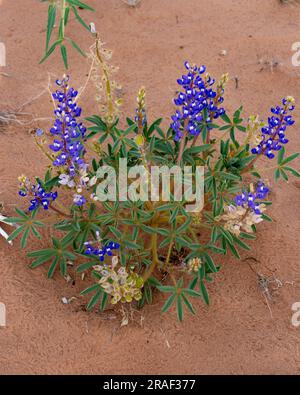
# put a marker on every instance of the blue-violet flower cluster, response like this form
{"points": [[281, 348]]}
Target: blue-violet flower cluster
{"points": [[248, 199], [273, 134], [103, 251], [40, 197], [69, 134], [197, 95]]}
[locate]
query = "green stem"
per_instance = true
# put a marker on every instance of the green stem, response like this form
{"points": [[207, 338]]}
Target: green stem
{"points": [[155, 259], [181, 147], [62, 14]]}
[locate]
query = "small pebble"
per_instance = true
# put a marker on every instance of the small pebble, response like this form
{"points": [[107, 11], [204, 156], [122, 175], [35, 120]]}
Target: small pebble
{"points": [[65, 300], [223, 52]]}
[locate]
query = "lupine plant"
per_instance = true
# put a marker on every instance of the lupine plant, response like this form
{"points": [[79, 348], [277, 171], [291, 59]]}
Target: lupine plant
{"points": [[131, 250]]}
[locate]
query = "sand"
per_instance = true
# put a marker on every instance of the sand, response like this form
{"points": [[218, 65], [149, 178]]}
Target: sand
{"points": [[238, 333]]}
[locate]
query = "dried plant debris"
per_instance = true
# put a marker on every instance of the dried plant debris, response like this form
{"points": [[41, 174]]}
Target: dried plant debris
{"points": [[269, 64], [268, 285], [132, 3], [290, 2], [6, 117], [130, 315]]}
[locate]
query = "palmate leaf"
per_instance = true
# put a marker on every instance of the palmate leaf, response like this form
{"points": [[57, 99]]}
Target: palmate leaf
{"points": [[179, 296], [199, 279], [282, 169], [58, 255], [147, 297], [27, 225]]}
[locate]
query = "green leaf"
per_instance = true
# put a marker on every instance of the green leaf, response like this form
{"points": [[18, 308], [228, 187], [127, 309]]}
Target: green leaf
{"points": [[168, 303], [25, 237], [190, 291], [79, 19], [42, 259], [247, 236], [266, 217], [61, 30], [284, 175], [166, 288], [290, 158], [67, 13], [226, 234], [204, 292], [154, 282], [76, 46], [291, 170], [241, 244], [16, 232], [188, 304], [22, 213], [50, 24], [50, 50], [214, 234], [229, 176], [89, 289], [233, 250], [226, 118], [193, 283], [210, 263], [280, 155], [80, 4], [35, 233], [185, 226], [64, 55], [116, 232], [46, 252], [63, 267], [52, 268], [94, 300], [103, 301], [179, 308]]}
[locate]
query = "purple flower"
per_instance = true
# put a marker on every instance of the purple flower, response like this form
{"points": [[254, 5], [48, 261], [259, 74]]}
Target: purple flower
{"points": [[39, 132], [103, 251], [196, 97], [273, 135], [247, 199], [79, 200], [69, 133], [40, 197]]}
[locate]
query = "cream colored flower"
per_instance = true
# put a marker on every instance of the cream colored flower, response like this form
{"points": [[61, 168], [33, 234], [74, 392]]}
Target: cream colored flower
{"points": [[194, 265], [237, 219], [120, 284]]}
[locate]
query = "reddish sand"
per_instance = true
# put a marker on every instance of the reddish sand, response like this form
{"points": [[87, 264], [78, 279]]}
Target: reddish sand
{"points": [[237, 333]]}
